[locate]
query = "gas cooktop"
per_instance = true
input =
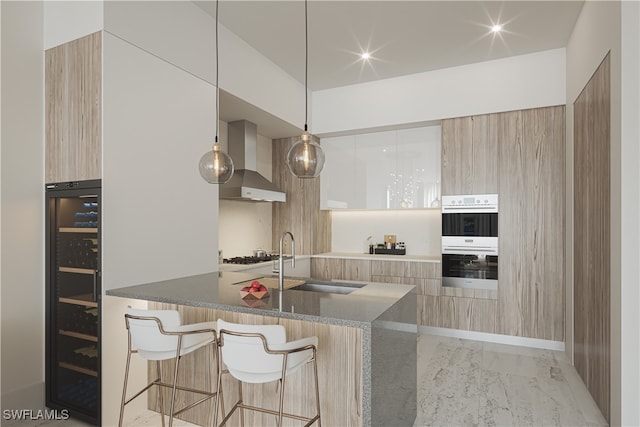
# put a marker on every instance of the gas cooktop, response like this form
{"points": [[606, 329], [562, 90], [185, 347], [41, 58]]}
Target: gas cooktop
{"points": [[249, 259]]}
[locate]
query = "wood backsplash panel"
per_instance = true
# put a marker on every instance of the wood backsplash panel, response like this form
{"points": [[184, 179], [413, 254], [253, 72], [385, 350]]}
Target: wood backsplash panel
{"points": [[301, 213], [73, 110], [592, 236]]}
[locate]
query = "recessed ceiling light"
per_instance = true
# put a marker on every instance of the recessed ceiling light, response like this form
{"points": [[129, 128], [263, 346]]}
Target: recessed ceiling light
{"points": [[365, 55], [496, 28]]}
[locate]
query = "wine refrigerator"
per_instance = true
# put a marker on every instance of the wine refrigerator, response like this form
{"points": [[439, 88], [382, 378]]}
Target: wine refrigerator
{"points": [[73, 294]]}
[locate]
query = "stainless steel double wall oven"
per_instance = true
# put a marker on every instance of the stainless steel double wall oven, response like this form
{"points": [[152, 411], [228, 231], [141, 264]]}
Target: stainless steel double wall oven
{"points": [[470, 241]]}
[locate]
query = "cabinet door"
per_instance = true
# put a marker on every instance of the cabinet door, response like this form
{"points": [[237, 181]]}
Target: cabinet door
{"points": [[376, 176], [531, 225], [418, 167], [470, 155], [338, 179], [73, 110]]}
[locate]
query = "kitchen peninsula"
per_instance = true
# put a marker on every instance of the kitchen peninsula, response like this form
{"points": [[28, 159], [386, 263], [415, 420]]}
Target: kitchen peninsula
{"points": [[366, 349]]}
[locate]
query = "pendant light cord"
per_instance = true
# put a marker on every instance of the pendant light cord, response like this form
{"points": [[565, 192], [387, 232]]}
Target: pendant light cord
{"points": [[217, 85], [306, 63]]}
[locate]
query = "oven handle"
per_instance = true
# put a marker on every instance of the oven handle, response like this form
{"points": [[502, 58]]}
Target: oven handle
{"points": [[462, 250]]}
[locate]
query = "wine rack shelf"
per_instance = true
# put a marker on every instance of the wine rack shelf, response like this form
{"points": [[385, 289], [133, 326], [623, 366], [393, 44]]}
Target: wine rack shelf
{"points": [[78, 335], [80, 369], [75, 270], [77, 230], [84, 300]]}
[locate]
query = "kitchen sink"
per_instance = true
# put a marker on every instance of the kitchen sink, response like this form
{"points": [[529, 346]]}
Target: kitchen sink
{"points": [[329, 287]]}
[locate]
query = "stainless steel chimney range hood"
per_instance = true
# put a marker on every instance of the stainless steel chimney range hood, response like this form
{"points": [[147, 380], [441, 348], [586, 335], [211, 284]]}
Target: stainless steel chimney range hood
{"points": [[247, 184]]}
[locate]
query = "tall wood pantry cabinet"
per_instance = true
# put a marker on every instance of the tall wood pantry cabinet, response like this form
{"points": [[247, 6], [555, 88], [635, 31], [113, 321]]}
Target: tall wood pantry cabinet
{"points": [[520, 156]]}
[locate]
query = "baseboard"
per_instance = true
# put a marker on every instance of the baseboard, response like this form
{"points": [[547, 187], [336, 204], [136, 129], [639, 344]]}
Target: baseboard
{"points": [[493, 338]]}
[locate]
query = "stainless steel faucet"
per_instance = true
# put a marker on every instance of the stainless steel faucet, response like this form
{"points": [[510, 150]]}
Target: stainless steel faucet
{"points": [[281, 259]]}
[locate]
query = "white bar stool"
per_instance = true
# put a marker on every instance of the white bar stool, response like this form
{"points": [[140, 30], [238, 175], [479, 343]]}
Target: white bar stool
{"points": [[260, 354], [159, 335]]}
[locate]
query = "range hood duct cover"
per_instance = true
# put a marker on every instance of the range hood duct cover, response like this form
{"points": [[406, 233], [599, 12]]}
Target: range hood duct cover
{"points": [[247, 184]]}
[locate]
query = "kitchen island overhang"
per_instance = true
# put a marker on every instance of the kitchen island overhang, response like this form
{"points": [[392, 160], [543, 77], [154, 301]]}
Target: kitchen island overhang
{"points": [[368, 339]]}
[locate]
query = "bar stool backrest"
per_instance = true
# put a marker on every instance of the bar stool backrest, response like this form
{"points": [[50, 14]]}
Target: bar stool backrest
{"points": [[246, 357], [146, 336]]}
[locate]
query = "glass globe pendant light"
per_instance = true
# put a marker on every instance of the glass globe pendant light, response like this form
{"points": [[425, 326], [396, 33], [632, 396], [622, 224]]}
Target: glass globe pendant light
{"points": [[216, 167], [305, 157]]}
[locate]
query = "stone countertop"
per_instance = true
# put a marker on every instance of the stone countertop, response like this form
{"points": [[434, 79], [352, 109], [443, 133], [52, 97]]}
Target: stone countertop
{"points": [[379, 257], [221, 290]]}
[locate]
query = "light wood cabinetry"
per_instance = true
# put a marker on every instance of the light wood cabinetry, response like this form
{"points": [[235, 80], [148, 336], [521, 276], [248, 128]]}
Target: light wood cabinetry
{"points": [[73, 110], [382, 170], [470, 155], [531, 245], [300, 214], [340, 269], [592, 236], [425, 276], [520, 156]]}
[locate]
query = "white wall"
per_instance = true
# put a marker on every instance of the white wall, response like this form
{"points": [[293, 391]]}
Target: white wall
{"points": [[22, 206], [183, 34], [69, 20], [514, 83], [246, 226], [159, 216], [603, 27], [420, 229], [630, 212]]}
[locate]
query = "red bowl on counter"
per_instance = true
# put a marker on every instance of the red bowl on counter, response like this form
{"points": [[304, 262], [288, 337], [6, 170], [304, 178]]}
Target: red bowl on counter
{"points": [[254, 295]]}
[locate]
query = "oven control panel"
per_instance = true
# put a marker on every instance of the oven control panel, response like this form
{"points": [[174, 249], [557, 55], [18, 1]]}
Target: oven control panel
{"points": [[471, 203]]}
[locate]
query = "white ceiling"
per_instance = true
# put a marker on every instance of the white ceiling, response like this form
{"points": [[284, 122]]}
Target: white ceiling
{"points": [[404, 37]]}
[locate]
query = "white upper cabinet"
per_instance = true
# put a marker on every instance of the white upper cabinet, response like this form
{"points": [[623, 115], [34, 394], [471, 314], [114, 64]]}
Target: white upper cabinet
{"points": [[338, 178], [382, 170], [418, 168], [376, 176]]}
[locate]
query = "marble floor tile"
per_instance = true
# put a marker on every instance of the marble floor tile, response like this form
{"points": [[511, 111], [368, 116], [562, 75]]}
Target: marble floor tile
{"points": [[468, 383], [471, 383]]}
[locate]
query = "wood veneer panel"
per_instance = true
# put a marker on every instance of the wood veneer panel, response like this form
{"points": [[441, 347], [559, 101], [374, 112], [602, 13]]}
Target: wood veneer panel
{"points": [[357, 270], [457, 135], [390, 268], [73, 110], [592, 236], [469, 155], [544, 133], [301, 213], [467, 313], [484, 156], [327, 268], [428, 310], [339, 368], [531, 228], [427, 286], [425, 270]]}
